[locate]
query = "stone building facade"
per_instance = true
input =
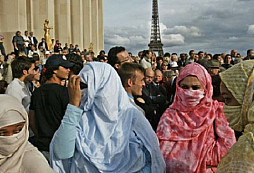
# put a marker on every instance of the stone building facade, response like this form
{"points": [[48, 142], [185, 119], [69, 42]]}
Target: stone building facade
{"points": [[73, 21]]}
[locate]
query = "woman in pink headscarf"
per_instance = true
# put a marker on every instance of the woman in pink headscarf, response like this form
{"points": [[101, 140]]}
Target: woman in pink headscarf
{"points": [[194, 132]]}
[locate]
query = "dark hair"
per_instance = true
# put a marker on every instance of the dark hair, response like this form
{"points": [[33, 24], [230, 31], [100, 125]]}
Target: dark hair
{"points": [[20, 64], [183, 55], [248, 51], [191, 51], [200, 52], [209, 54], [159, 58], [167, 54], [3, 86], [215, 56], [78, 63], [47, 74], [101, 58], [226, 58], [102, 51], [140, 54], [17, 33], [127, 71], [112, 55], [65, 48], [36, 57], [145, 52]]}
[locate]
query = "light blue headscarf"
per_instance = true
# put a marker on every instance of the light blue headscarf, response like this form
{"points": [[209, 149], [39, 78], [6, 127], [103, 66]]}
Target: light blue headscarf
{"points": [[113, 135]]}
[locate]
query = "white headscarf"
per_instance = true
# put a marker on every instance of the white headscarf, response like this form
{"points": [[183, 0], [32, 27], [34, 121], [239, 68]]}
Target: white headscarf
{"points": [[12, 148], [17, 155]]}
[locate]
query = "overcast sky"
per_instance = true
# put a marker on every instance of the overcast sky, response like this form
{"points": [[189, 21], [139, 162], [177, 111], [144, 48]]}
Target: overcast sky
{"points": [[215, 26]]}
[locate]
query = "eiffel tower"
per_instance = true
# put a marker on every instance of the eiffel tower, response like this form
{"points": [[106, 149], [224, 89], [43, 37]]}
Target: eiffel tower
{"points": [[155, 41]]}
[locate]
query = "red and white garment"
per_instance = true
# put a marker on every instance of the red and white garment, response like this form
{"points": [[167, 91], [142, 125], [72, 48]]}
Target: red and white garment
{"points": [[193, 138]]}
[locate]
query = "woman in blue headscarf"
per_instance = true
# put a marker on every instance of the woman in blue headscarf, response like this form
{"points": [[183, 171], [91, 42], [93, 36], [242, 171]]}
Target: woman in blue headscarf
{"points": [[107, 133]]}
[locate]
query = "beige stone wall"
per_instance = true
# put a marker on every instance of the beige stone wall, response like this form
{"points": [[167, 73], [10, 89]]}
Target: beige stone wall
{"points": [[73, 21]]}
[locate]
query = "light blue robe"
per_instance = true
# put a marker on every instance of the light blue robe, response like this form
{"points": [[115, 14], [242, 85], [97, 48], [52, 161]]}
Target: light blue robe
{"points": [[110, 135]]}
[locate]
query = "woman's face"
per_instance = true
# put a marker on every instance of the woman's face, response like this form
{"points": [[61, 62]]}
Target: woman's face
{"points": [[229, 59], [191, 83], [12, 129], [220, 59], [229, 99]]}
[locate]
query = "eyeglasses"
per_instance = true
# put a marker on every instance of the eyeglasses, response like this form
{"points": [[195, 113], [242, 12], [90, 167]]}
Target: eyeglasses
{"points": [[127, 59]]}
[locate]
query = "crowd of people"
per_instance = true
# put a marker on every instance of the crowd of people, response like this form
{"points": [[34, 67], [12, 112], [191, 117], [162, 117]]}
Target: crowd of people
{"points": [[69, 111]]}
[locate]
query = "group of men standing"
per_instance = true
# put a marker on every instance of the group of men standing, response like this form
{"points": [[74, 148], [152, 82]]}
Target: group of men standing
{"points": [[140, 85], [23, 43]]}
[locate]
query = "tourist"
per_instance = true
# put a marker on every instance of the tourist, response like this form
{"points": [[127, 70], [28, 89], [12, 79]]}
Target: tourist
{"points": [[194, 132]]}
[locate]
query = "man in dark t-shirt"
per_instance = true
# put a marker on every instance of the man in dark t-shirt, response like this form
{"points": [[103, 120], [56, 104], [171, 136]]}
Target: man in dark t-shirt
{"points": [[18, 43], [48, 102]]}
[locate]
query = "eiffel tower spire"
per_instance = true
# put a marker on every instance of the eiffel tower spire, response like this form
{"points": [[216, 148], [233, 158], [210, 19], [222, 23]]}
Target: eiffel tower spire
{"points": [[155, 41]]}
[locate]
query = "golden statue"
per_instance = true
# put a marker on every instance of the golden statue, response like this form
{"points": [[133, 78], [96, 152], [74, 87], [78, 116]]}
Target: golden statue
{"points": [[47, 35], [90, 49]]}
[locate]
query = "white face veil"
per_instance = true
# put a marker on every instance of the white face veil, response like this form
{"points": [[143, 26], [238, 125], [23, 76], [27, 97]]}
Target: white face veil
{"points": [[12, 148]]}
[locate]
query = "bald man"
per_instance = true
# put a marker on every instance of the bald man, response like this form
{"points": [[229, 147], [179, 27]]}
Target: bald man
{"points": [[157, 97], [158, 78]]}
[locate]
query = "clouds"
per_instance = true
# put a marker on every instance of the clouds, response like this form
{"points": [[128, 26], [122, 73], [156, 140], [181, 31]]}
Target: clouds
{"points": [[117, 39], [176, 35], [233, 38], [211, 25], [173, 40], [183, 30], [133, 38]]}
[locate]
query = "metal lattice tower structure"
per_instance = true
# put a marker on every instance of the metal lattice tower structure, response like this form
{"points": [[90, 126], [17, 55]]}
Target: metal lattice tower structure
{"points": [[155, 41]]}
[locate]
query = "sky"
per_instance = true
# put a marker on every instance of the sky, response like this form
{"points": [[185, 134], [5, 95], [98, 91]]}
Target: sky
{"points": [[214, 26]]}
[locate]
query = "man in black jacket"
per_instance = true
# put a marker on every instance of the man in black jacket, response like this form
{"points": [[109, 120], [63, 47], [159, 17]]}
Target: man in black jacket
{"points": [[33, 39], [158, 98], [43, 45], [133, 81]]}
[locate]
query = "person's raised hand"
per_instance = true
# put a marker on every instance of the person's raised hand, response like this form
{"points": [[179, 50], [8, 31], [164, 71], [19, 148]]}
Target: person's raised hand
{"points": [[74, 90]]}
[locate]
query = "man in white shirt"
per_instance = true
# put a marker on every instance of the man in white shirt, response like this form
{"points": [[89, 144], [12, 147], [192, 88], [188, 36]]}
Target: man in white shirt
{"points": [[146, 60], [23, 71], [26, 41]]}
